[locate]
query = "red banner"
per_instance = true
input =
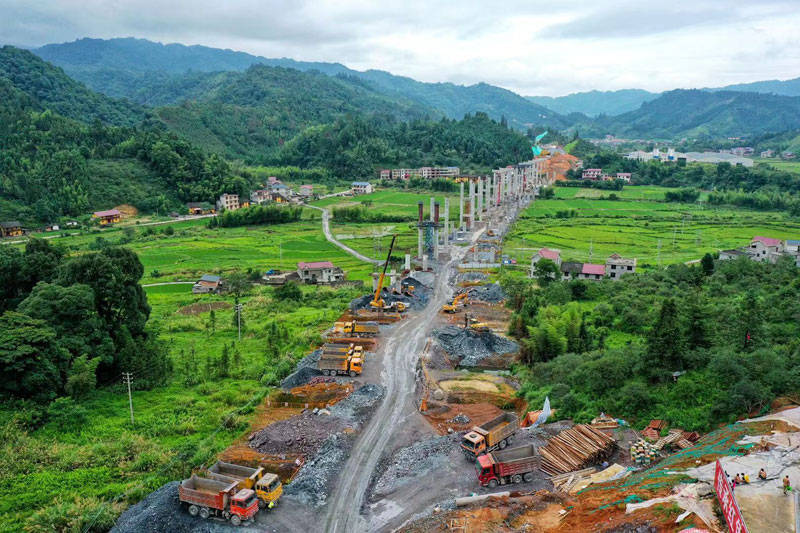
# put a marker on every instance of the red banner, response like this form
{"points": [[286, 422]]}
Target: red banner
{"points": [[730, 509]]}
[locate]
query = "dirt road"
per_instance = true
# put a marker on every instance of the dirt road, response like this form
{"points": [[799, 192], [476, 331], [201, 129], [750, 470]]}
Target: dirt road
{"points": [[326, 229]]}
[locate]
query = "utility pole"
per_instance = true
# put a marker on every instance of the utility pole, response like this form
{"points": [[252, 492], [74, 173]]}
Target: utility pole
{"points": [[127, 377], [238, 308]]}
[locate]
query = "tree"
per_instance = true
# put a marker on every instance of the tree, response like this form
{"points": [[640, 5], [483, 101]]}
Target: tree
{"points": [[289, 291], [707, 263], [212, 322], [696, 335], [224, 362], [546, 271], [749, 321], [82, 379], [238, 284], [665, 343], [31, 361]]}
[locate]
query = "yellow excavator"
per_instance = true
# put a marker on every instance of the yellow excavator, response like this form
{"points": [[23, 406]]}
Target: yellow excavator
{"points": [[453, 306], [377, 303], [473, 324]]}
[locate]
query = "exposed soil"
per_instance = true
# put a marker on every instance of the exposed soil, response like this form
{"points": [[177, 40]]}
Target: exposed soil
{"points": [[444, 417], [302, 434], [472, 347], [203, 307]]}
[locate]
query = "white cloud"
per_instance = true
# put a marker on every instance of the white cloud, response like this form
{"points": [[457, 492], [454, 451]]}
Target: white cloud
{"points": [[531, 47]]}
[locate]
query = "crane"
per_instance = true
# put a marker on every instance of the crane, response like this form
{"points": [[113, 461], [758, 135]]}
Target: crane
{"points": [[377, 302]]}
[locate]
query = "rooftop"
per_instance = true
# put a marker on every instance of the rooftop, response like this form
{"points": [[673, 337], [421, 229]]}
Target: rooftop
{"points": [[316, 264], [107, 213], [591, 268], [549, 254], [360, 183], [767, 241], [11, 224], [210, 278], [571, 267], [792, 242]]}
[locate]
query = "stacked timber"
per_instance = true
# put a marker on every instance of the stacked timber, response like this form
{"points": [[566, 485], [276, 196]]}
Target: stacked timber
{"points": [[575, 449], [674, 436], [564, 482], [605, 422]]}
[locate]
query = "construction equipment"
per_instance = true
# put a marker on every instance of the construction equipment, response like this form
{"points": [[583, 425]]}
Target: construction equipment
{"points": [[356, 329], [341, 364], [453, 306], [267, 486], [210, 497], [514, 465], [494, 434], [377, 302], [473, 324]]}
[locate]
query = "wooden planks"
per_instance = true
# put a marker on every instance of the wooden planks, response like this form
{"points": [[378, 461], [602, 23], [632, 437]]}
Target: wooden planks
{"points": [[574, 449]]}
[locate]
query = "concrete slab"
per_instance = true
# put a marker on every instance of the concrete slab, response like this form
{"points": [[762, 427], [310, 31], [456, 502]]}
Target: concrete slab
{"points": [[766, 513]]}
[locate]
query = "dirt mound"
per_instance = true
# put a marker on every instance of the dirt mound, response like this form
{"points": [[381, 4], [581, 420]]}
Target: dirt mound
{"points": [[459, 417], [127, 210], [303, 434], [472, 347], [305, 370], [490, 293], [200, 307]]}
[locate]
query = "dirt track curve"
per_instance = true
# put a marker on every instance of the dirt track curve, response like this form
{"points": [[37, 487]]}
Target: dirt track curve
{"points": [[326, 229]]}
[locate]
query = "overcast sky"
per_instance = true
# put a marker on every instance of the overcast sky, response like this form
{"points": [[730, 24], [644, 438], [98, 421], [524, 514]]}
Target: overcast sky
{"points": [[531, 47]]}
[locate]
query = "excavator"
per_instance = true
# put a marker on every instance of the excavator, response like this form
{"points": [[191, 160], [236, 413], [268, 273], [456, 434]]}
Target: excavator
{"points": [[377, 303], [473, 324], [453, 306]]}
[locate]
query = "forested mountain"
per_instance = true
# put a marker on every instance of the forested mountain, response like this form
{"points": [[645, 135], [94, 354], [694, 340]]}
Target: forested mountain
{"points": [[115, 67], [49, 87], [594, 103], [697, 113], [781, 87]]}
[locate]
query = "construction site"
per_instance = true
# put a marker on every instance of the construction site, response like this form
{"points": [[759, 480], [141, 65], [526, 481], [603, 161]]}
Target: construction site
{"points": [[406, 419]]}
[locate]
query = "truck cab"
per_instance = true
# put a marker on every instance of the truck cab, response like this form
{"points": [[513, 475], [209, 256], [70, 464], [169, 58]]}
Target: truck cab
{"points": [[244, 504], [269, 490], [486, 474], [473, 444]]}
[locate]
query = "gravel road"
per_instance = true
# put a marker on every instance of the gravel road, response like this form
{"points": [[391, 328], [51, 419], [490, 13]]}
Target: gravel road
{"points": [[326, 229]]}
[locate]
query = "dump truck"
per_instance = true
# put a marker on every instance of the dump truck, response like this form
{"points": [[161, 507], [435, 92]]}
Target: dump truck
{"points": [[357, 329], [332, 365], [512, 465], [268, 486], [205, 497], [496, 433]]}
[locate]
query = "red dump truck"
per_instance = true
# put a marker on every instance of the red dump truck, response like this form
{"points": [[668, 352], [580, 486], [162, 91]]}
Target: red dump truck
{"points": [[210, 497], [495, 433], [512, 465]]}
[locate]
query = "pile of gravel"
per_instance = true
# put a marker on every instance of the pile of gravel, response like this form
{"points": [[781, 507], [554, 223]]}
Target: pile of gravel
{"points": [[490, 293], [472, 347], [460, 419], [313, 482], [470, 277], [359, 406], [414, 464], [305, 370], [422, 293], [303, 433]]}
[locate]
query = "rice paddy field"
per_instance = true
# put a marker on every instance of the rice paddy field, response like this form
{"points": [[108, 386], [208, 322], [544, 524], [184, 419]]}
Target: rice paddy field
{"points": [[586, 227]]}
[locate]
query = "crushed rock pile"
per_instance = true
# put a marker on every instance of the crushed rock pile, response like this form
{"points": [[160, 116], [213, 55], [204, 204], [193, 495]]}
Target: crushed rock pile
{"points": [[467, 277], [303, 433], [161, 511], [472, 347], [490, 293], [415, 463], [305, 370], [422, 293], [460, 418], [315, 479]]}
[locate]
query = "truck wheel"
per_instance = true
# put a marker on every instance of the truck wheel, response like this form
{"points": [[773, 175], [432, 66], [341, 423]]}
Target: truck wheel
{"points": [[528, 477], [261, 504], [236, 520], [353, 373], [492, 483], [326, 372], [516, 478], [503, 444], [193, 510], [204, 513]]}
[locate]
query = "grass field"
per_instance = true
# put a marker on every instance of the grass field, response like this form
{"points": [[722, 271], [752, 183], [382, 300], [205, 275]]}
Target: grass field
{"points": [[390, 201], [653, 232]]}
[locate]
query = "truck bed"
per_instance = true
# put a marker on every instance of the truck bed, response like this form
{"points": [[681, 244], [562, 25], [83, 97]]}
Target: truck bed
{"points": [[499, 428], [333, 363], [236, 471], [205, 492], [511, 455]]}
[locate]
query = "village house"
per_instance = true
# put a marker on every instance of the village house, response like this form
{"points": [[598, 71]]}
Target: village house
{"points": [[272, 179], [727, 255], [52, 227], [111, 216], [319, 272], [386, 174], [592, 173], [624, 176], [616, 266], [765, 249], [592, 271], [208, 284], [361, 187], [12, 228], [199, 208], [571, 270], [767, 153], [260, 196], [791, 246], [306, 191], [545, 253], [228, 202]]}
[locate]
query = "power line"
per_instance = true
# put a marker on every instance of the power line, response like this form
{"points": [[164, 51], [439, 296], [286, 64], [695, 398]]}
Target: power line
{"points": [[128, 380]]}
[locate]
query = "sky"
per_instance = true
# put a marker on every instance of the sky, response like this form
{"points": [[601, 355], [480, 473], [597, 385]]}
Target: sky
{"points": [[530, 47]]}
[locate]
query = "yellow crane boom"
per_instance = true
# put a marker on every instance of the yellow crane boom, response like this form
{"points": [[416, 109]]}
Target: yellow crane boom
{"points": [[377, 302]]}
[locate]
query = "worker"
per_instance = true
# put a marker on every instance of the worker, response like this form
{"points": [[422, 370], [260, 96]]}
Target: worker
{"points": [[762, 475], [745, 478], [737, 480], [787, 486]]}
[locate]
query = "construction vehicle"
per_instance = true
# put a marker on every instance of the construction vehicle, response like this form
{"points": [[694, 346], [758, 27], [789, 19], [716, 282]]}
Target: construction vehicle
{"points": [[340, 364], [268, 486], [210, 497], [513, 465], [377, 303], [474, 325], [356, 329], [453, 306], [494, 434], [333, 348]]}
